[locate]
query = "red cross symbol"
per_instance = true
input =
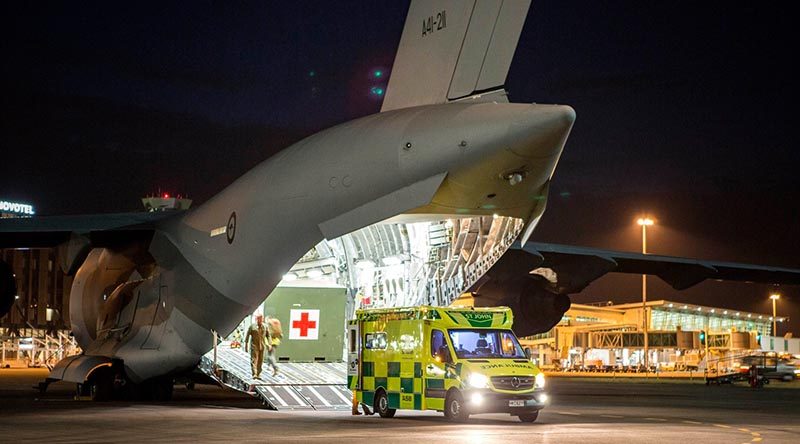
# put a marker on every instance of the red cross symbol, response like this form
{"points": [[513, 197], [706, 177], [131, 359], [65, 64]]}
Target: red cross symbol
{"points": [[304, 324]]}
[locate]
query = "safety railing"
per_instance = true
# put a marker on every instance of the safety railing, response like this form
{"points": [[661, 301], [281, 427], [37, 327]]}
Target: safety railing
{"points": [[37, 351]]}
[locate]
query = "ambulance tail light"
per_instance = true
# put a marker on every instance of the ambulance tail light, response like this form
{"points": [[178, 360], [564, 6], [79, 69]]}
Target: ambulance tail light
{"points": [[539, 381]]}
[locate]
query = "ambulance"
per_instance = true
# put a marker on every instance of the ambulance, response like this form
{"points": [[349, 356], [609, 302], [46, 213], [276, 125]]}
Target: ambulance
{"points": [[459, 361]]}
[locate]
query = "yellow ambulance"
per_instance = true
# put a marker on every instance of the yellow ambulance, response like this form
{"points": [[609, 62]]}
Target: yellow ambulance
{"points": [[459, 361]]}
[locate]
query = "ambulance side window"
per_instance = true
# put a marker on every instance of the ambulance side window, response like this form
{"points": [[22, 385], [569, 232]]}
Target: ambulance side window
{"points": [[375, 341], [439, 348], [352, 341]]}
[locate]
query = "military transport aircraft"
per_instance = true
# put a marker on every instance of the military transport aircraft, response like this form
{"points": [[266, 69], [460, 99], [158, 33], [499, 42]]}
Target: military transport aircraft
{"points": [[150, 288]]}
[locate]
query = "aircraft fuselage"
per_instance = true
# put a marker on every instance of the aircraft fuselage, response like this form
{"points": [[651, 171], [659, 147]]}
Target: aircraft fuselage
{"points": [[213, 265]]}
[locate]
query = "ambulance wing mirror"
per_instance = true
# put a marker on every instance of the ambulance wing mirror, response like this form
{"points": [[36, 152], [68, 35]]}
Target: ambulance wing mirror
{"points": [[528, 352]]}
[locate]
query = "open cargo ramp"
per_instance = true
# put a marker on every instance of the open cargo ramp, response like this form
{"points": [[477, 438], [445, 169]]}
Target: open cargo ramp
{"points": [[297, 386]]}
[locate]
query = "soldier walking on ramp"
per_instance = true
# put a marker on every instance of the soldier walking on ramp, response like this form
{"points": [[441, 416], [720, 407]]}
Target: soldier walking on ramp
{"points": [[256, 342], [275, 334]]}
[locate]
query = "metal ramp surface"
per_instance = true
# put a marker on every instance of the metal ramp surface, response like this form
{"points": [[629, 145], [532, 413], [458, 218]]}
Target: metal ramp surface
{"points": [[298, 397], [297, 386]]}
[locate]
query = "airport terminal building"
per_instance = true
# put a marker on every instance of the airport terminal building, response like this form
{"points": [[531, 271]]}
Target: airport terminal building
{"points": [[606, 335]]}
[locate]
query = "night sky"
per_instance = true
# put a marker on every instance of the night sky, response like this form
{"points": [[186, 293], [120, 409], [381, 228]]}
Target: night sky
{"points": [[684, 111]]}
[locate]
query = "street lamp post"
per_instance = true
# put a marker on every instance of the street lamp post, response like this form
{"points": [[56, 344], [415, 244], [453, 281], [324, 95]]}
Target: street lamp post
{"points": [[644, 222], [774, 297]]}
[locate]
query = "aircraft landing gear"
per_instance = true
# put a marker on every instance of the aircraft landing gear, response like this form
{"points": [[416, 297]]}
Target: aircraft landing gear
{"points": [[157, 389], [110, 383], [99, 386], [162, 389]]}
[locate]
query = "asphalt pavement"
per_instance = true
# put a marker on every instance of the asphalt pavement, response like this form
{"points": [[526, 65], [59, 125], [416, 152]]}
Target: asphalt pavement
{"points": [[581, 411]]}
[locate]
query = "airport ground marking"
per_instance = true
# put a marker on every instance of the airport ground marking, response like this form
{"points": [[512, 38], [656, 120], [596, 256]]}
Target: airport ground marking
{"points": [[756, 436]]}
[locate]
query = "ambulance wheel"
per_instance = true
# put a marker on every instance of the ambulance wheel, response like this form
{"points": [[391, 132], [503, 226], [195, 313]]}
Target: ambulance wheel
{"points": [[454, 407], [529, 417], [382, 405]]}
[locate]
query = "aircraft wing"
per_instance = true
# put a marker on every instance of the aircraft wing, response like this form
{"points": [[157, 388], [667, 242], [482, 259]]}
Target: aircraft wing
{"points": [[569, 269], [40, 232]]}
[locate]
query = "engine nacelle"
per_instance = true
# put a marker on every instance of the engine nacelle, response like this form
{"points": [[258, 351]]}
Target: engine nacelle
{"points": [[509, 283], [8, 288], [103, 271], [536, 310]]}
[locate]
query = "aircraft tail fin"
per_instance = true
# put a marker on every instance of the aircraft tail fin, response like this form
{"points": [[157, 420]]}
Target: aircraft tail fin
{"points": [[454, 49]]}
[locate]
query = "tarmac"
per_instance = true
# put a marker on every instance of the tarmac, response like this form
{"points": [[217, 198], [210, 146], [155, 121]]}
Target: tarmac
{"points": [[586, 410]]}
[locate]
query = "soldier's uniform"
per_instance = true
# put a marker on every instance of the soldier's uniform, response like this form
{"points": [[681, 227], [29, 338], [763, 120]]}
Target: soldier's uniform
{"points": [[259, 340]]}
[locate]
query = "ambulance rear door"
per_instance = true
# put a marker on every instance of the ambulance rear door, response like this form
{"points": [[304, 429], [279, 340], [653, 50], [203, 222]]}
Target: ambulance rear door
{"points": [[354, 356]]}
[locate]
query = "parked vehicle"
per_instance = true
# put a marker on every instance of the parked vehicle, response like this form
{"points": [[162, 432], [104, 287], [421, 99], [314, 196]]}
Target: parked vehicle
{"points": [[771, 367], [456, 360]]}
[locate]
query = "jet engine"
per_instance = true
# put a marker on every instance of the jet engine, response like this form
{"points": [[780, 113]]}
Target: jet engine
{"points": [[536, 310], [8, 288], [509, 283]]}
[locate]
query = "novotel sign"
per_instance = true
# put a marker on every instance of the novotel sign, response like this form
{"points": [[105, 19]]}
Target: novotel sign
{"points": [[16, 208]]}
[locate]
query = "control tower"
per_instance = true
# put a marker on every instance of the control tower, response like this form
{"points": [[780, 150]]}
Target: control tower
{"points": [[165, 202]]}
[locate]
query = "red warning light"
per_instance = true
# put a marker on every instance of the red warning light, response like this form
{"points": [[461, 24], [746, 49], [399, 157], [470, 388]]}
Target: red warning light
{"points": [[166, 195]]}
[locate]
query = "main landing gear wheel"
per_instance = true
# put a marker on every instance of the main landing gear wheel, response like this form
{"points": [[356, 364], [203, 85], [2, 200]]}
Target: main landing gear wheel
{"points": [[382, 405], [161, 389], [156, 389], [101, 385], [454, 408], [529, 417]]}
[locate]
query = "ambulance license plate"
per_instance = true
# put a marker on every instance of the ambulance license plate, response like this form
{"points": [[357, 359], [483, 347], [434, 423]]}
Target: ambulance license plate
{"points": [[516, 403]]}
